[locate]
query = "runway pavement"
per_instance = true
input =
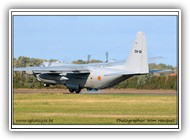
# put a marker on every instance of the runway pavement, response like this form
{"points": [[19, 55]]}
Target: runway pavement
{"points": [[84, 91]]}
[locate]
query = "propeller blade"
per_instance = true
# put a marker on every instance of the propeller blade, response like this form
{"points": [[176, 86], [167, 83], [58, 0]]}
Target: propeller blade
{"points": [[107, 55], [88, 58]]}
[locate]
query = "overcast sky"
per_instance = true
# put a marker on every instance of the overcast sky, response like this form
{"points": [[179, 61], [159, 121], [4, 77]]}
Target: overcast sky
{"points": [[69, 38]]}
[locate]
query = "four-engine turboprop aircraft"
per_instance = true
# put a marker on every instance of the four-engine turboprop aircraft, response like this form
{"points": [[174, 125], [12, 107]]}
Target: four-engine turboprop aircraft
{"points": [[94, 76]]}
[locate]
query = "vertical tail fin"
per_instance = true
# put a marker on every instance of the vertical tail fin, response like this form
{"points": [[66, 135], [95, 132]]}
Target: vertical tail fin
{"points": [[137, 61]]}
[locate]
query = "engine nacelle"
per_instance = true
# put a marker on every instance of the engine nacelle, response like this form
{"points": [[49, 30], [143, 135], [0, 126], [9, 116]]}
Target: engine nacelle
{"points": [[49, 78]]}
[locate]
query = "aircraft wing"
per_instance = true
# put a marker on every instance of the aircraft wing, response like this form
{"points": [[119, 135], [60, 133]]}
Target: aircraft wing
{"points": [[55, 69]]}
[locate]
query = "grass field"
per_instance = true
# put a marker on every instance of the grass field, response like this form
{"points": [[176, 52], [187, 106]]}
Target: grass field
{"points": [[59, 108]]}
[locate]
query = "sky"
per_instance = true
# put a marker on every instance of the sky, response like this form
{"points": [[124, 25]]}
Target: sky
{"points": [[69, 38]]}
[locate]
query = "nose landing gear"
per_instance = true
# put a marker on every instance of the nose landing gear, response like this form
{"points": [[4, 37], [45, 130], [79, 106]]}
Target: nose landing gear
{"points": [[46, 85]]}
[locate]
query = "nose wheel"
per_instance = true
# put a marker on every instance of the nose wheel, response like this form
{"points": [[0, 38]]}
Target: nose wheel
{"points": [[46, 85]]}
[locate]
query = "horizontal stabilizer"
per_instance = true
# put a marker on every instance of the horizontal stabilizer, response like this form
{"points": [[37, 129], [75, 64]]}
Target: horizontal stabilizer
{"points": [[160, 71]]}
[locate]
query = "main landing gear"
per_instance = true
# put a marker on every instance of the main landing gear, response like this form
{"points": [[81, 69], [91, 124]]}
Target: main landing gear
{"points": [[75, 90]]}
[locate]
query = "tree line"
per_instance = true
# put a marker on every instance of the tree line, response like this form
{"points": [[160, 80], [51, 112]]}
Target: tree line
{"points": [[149, 81]]}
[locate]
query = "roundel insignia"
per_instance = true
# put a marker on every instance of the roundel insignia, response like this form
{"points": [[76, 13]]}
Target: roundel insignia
{"points": [[99, 78]]}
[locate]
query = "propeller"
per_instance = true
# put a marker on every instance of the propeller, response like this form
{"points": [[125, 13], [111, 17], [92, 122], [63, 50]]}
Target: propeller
{"points": [[49, 63], [107, 55], [42, 64], [88, 58], [24, 62]]}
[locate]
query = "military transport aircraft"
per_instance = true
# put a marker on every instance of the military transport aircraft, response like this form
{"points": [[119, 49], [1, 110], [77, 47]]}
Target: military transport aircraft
{"points": [[94, 76]]}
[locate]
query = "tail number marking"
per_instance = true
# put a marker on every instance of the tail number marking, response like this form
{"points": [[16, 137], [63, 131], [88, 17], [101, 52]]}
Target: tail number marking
{"points": [[138, 51]]}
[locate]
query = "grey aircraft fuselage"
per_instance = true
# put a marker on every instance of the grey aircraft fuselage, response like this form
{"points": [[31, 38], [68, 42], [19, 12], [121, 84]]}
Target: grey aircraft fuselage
{"points": [[94, 76]]}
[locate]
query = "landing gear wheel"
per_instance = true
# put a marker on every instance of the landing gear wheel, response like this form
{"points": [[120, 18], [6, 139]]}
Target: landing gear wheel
{"points": [[46, 85], [89, 89], [71, 90], [77, 90]]}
